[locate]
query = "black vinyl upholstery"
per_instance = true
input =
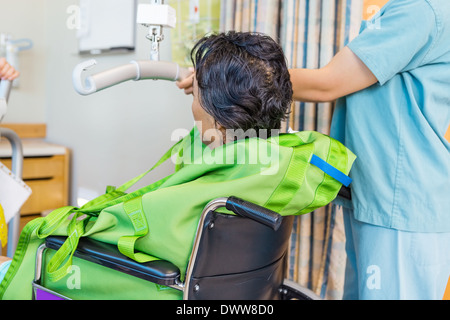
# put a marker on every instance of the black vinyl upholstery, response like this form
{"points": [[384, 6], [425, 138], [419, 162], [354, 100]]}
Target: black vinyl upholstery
{"points": [[160, 271], [239, 258]]}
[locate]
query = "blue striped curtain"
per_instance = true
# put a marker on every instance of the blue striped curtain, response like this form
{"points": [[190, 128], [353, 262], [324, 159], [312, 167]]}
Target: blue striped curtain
{"points": [[251, 15], [311, 32]]}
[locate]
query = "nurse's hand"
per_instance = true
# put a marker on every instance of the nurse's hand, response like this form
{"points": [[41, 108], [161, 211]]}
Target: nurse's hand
{"points": [[7, 72], [187, 83]]}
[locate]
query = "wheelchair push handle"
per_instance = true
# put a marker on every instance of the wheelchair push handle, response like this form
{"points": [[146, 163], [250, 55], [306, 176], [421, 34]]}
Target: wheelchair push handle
{"points": [[250, 210]]}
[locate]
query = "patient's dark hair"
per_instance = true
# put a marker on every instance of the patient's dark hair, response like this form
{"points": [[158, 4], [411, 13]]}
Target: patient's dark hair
{"points": [[243, 80]]}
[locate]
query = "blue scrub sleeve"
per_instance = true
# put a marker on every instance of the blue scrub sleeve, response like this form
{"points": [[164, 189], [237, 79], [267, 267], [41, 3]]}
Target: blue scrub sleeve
{"points": [[397, 39]]}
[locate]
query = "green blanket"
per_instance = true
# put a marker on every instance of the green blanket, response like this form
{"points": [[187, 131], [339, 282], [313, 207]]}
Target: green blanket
{"points": [[159, 221]]}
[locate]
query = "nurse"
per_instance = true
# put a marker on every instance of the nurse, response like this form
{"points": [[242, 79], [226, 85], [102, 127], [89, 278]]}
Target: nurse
{"points": [[393, 85]]}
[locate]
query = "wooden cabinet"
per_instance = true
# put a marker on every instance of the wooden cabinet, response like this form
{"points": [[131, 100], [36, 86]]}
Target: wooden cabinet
{"points": [[47, 176], [45, 170]]}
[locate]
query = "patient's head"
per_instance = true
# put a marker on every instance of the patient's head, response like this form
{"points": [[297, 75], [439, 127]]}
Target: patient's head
{"points": [[241, 82]]}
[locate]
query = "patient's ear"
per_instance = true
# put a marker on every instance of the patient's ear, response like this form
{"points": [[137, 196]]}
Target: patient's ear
{"points": [[222, 130], [220, 127]]}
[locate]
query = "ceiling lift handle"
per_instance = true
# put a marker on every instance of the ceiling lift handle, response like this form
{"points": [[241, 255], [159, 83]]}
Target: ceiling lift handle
{"points": [[89, 86], [135, 70]]}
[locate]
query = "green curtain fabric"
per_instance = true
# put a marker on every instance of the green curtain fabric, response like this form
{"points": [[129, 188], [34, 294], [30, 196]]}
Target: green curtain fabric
{"points": [[311, 32]]}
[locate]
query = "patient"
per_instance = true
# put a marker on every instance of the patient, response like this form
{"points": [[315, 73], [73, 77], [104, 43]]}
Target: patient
{"points": [[241, 84]]}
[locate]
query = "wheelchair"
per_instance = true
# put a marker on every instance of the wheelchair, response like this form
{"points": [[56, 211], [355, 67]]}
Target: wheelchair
{"points": [[234, 257]]}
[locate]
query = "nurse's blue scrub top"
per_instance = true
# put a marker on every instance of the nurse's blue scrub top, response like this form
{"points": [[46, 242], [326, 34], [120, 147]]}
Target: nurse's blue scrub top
{"points": [[401, 178]]}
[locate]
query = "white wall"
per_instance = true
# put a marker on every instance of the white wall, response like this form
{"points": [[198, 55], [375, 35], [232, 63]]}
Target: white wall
{"points": [[25, 19], [114, 135]]}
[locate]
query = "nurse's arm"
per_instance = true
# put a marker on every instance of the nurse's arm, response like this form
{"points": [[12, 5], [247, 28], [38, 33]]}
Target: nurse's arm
{"points": [[345, 74]]}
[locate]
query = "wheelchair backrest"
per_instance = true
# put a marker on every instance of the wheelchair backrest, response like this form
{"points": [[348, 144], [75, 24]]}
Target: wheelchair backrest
{"points": [[239, 258]]}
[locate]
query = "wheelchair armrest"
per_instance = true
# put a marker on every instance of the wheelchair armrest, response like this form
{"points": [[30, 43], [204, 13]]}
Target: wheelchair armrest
{"points": [[159, 271]]}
